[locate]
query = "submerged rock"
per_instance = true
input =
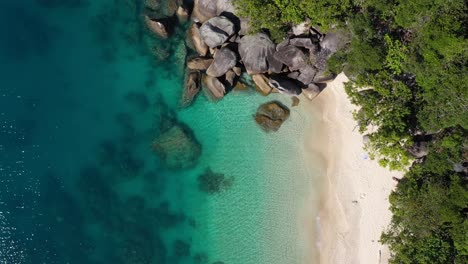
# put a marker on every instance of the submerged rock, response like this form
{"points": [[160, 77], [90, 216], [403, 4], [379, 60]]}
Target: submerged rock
{"points": [[177, 147], [214, 88], [224, 60], [191, 88], [197, 40], [216, 31], [256, 52], [270, 116], [157, 27], [211, 182]]}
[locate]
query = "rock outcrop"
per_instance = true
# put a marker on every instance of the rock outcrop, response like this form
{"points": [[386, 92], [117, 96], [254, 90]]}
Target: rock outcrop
{"points": [[191, 88], [292, 57], [157, 27], [224, 60], [216, 31], [213, 87], [270, 116], [177, 147], [197, 40], [199, 64], [261, 83]]}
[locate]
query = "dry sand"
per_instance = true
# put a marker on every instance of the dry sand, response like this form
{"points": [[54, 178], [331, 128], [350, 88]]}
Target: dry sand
{"points": [[354, 203]]}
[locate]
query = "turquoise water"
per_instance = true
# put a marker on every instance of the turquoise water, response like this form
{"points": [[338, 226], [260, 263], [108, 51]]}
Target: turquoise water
{"points": [[84, 91]]}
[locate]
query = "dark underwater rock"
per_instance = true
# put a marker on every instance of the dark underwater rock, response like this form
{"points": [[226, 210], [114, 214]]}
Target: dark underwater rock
{"points": [[212, 182], [270, 116], [177, 147]]}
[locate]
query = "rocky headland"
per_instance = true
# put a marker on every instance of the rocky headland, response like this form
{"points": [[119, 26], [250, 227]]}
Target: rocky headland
{"points": [[229, 56]]}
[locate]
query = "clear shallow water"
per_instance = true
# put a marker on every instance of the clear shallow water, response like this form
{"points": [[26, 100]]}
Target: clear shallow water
{"points": [[82, 96]]}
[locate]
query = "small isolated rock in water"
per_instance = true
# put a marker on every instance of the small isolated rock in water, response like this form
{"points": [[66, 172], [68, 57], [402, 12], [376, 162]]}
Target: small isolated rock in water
{"points": [[270, 116], [285, 85], [261, 84], [182, 14], [198, 42], [191, 89], [215, 89], [199, 64], [211, 182], [216, 31], [156, 27], [256, 52], [311, 91], [224, 60], [292, 56], [295, 101], [177, 147]]}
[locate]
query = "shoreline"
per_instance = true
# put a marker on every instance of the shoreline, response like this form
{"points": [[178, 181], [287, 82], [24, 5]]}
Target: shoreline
{"points": [[353, 205]]}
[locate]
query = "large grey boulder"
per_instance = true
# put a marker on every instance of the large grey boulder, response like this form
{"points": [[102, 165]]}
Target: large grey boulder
{"points": [[206, 9], [292, 56], [285, 85], [224, 60], [216, 31], [307, 74], [224, 6], [213, 87], [256, 52], [302, 43], [197, 41]]}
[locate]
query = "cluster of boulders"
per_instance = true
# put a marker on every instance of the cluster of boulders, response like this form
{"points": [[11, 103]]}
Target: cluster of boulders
{"points": [[231, 58], [225, 52]]}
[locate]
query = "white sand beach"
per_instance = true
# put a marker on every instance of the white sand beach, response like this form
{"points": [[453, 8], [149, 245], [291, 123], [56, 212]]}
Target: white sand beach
{"points": [[354, 203]]}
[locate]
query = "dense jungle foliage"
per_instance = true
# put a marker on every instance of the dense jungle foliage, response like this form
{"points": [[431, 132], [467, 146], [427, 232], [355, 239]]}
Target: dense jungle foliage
{"points": [[407, 62]]}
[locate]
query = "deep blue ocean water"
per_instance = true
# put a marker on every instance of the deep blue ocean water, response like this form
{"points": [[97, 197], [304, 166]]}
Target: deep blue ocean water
{"points": [[84, 91]]}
